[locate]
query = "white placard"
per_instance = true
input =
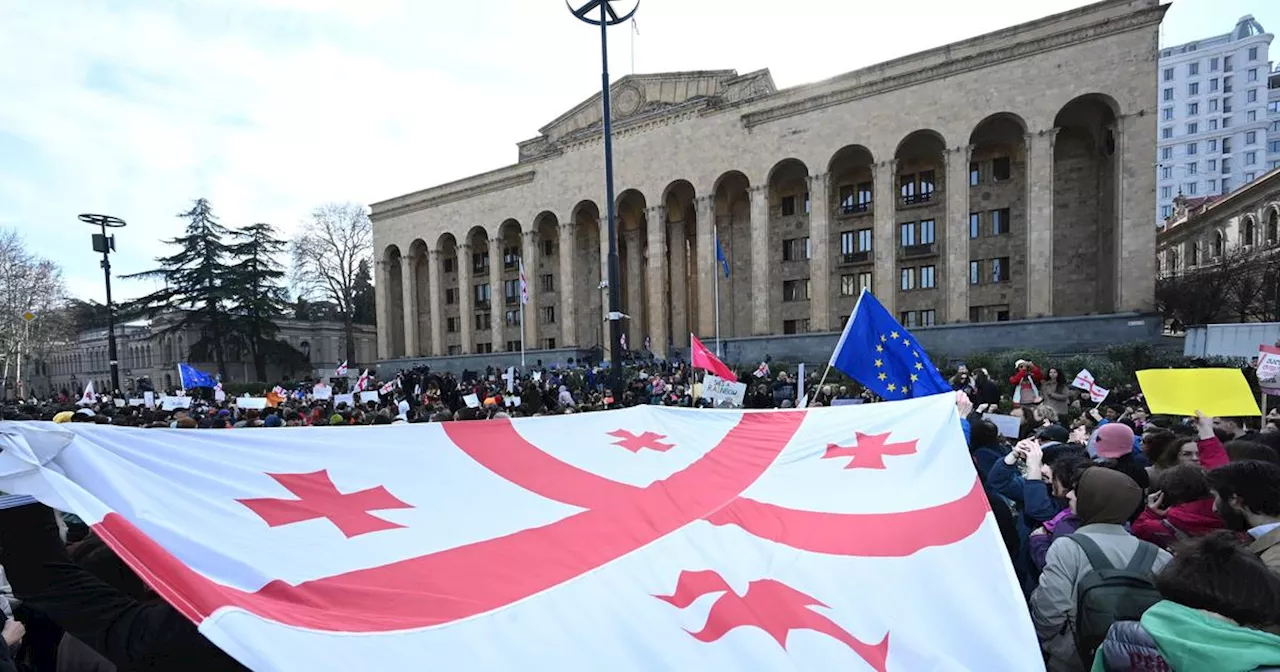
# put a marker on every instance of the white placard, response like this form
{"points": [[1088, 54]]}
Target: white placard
{"points": [[472, 400], [1268, 362], [716, 388], [857, 401], [120, 403], [219, 395], [168, 403], [258, 403], [369, 395], [1008, 425], [137, 402], [511, 401], [149, 398], [322, 392], [348, 399]]}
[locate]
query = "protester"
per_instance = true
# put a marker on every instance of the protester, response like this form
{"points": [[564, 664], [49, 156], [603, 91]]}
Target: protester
{"points": [[1180, 508], [1247, 497]]}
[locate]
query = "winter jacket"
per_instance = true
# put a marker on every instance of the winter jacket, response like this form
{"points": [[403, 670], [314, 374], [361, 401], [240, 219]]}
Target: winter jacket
{"points": [[1267, 547], [1026, 385], [1058, 401], [1192, 519], [1063, 524], [1174, 637]]}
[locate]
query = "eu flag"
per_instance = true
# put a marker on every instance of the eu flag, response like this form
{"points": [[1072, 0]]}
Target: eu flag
{"points": [[724, 263], [876, 351], [193, 377]]}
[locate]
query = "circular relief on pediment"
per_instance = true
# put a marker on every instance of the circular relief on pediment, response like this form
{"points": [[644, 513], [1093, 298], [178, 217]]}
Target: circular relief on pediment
{"points": [[627, 100]]}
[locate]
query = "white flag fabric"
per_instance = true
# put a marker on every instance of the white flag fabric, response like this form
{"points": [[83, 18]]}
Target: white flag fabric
{"points": [[644, 539], [1084, 381], [342, 369], [89, 396]]}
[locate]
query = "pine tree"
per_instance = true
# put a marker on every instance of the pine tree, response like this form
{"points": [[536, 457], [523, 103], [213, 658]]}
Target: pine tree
{"points": [[364, 300], [257, 298], [198, 283]]}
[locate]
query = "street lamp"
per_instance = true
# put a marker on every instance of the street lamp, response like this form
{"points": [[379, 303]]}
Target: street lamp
{"points": [[106, 245], [609, 17]]}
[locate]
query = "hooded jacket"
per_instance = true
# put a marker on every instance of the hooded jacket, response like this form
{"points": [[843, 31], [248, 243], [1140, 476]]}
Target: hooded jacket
{"points": [[1193, 519], [1176, 637]]}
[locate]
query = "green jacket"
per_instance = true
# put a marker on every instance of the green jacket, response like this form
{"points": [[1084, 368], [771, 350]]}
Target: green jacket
{"points": [[1190, 639]]}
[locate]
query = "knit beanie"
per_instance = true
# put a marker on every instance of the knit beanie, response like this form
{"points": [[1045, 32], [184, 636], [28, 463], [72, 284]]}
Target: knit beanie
{"points": [[1114, 440]]}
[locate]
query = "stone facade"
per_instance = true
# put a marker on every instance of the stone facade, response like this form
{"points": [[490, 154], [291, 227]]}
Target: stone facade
{"points": [[1202, 230], [147, 351], [1000, 178]]}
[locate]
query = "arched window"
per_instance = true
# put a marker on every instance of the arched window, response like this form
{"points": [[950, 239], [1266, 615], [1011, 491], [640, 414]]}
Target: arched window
{"points": [[1193, 254], [1217, 244], [1173, 260], [1273, 227], [1247, 238]]}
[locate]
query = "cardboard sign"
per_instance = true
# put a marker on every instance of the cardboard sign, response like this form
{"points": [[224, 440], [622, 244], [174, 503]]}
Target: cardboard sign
{"points": [[219, 395], [511, 401], [150, 399], [1268, 362], [1220, 393], [369, 395], [348, 399], [258, 403], [137, 402], [1008, 425], [168, 403], [322, 392], [472, 400], [120, 403], [716, 388]]}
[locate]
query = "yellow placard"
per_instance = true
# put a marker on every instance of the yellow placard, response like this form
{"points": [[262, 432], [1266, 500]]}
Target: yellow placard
{"points": [[1214, 392]]}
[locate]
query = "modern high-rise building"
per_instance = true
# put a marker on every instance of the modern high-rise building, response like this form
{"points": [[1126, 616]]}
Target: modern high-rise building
{"points": [[1216, 113]]}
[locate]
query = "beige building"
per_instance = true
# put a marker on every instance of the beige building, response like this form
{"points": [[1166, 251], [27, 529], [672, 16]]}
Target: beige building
{"points": [[1203, 230], [1003, 177], [148, 351]]}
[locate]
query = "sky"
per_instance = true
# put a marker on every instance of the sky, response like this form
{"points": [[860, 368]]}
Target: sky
{"points": [[270, 108]]}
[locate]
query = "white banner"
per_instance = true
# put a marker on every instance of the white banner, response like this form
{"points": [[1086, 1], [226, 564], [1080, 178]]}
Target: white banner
{"points": [[322, 392], [168, 403], [368, 395], [258, 403], [348, 399]]}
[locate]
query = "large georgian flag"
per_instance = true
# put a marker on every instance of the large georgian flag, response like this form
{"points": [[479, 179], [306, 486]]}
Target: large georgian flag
{"points": [[848, 538]]}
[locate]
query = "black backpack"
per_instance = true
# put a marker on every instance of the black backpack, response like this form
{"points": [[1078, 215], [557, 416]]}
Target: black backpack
{"points": [[1106, 594]]}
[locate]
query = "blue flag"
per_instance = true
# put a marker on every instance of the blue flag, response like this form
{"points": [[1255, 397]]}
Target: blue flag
{"points": [[876, 351], [193, 377], [724, 263]]}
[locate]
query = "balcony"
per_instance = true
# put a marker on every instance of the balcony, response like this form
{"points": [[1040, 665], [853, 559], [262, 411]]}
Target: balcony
{"points": [[512, 300], [855, 258], [918, 199], [916, 251], [855, 208]]}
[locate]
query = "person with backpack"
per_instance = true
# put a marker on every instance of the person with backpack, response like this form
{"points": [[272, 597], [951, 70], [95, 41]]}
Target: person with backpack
{"points": [[1096, 576]]}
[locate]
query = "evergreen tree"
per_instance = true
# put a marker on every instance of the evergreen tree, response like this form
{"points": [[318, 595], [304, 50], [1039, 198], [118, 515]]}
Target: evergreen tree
{"points": [[198, 282], [257, 298], [364, 300]]}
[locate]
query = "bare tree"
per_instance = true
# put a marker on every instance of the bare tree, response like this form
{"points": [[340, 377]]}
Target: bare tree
{"points": [[29, 286], [326, 260]]}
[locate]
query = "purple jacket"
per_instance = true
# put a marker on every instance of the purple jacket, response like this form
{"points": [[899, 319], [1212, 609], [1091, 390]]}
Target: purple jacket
{"points": [[1060, 525]]}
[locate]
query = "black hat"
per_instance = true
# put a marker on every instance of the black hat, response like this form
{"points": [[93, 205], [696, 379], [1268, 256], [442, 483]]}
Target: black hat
{"points": [[1053, 433]]}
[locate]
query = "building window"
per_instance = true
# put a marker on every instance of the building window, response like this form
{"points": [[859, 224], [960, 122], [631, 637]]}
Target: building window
{"points": [[927, 232], [510, 257], [864, 240], [1002, 315], [1212, 164], [484, 348], [908, 233], [807, 209], [846, 243], [1250, 137], [1190, 189], [548, 283], [1193, 89], [1168, 74], [1226, 145], [795, 326], [975, 174], [512, 317], [450, 264], [908, 279], [795, 249], [1001, 169], [548, 248], [917, 188], [788, 206], [482, 321], [975, 225], [1251, 116], [1193, 68], [451, 296], [1253, 53], [548, 344], [1168, 114], [1253, 74], [1000, 269], [795, 290], [975, 272], [908, 319], [1000, 221], [1166, 211], [1166, 172], [975, 313], [1192, 168], [482, 296], [1248, 177], [1226, 88], [927, 277], [1166, 192], [1226, 167], [1250, 158], [547, 314], [1193, 128], [513, 346], [1166, 133], [1213, 106], [1213, 64], [480, 262], [1166, 153], [928, 318], [511, 291], [1168, 94], [848, 285], [1192, 148], [1251, 96], [455, 350], [1213, 85], [1226, 64], [1212, 186], [1213, 145], [1273, 146]]}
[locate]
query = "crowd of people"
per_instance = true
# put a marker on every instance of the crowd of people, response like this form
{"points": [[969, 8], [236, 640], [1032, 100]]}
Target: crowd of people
{"points": [[1141, 542]]}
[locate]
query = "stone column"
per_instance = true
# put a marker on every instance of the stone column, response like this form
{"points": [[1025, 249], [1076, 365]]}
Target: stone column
{"points": [[409, 287], [384, 299], [1040, 222], [635, 291], [820, 261], [955, 268], [679, 283], [760, 260], [885, 238], [438, 348], [707, 267], [466, 300], [530, 257], [1135, 263], [497, 298], [657, 287], [568, 307]]}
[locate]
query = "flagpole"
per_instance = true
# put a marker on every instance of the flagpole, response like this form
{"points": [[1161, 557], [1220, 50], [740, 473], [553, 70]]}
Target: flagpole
{"points": [[716, 274], [522, 336], [181, 382], [843, 333]]}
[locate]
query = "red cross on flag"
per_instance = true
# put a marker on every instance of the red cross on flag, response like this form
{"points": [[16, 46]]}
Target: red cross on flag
{"points": [[649, 538], [1084, 381]]}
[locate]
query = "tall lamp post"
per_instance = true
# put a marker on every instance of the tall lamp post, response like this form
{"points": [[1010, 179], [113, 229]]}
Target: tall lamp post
{"points": [[609, 17], [106, 245]]}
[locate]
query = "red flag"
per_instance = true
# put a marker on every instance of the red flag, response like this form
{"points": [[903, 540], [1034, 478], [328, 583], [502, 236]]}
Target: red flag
{"points": [[703, 359]]}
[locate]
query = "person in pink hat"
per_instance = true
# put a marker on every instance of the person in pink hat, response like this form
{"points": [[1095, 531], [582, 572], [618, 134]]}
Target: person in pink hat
{"points": [[1113, 444]]}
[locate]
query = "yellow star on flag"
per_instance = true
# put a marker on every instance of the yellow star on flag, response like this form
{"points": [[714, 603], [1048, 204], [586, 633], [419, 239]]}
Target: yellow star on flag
{"points": [[915, 378], [916, 353], [906, 342], [879, 348], [883, 339], [892, 387], [905, 390], [919, 366], [879, 362], [893, 335], [882, 376]]}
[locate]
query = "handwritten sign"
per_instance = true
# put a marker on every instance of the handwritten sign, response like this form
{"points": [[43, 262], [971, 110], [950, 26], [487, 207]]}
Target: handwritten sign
{"points": [[348, 399], [369, 395], [322, 392], [472, 400], [716, 388], [1008, 425], [168, 403], [258, 403]]}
